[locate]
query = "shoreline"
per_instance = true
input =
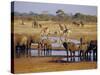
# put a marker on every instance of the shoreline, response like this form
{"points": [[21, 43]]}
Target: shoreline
{"points": [[40, 64]]}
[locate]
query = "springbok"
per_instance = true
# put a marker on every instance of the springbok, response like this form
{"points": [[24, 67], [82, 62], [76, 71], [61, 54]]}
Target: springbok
{"points": [[44, 48], [78, 23], [34, 24], [64, 31], [75, 23], [44, 32]]}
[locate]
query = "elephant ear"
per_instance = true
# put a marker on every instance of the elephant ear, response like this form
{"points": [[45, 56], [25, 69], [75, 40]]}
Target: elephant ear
{"points": [[65, 45], [23, 40]]}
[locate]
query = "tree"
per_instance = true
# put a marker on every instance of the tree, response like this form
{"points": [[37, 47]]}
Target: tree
{"points": [[60, 13], [45, 15], [77, 15], [31, 13]]}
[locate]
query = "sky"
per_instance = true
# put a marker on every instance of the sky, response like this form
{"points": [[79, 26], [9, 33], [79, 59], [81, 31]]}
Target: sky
{"points": [[26, 7]]}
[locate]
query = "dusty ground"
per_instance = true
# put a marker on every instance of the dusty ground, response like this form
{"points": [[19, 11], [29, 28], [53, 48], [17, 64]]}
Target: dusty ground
{"points": [[43, 64]]}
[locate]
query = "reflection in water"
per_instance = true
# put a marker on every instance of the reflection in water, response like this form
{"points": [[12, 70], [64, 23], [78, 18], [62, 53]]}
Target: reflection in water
{"points": [[63, 53], [76, 59], [54, 52]]}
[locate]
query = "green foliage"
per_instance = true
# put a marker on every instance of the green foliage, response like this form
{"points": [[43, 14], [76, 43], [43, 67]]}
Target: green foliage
{"points": [[85, 18], [60, 16]]}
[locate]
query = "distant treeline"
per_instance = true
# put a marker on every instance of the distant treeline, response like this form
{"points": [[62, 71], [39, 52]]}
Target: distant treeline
{"points": [[60, 16]]}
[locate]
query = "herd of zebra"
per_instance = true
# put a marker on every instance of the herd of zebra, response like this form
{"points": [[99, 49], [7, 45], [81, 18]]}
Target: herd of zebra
{"points": [[21, 44]]}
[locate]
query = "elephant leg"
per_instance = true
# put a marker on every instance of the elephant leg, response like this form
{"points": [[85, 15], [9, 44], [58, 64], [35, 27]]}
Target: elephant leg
{"points": [[26, 51], [41, 52], [17, 51], [79, 55], [94, 55], [44, 52], [85, 56], [67, 55], [73, 56], [88, 54], [38, 52], [49, 52], [29, 50]]}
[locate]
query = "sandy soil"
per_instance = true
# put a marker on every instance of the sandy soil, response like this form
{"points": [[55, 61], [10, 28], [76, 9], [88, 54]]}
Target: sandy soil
{"points": [[44, 64]]}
